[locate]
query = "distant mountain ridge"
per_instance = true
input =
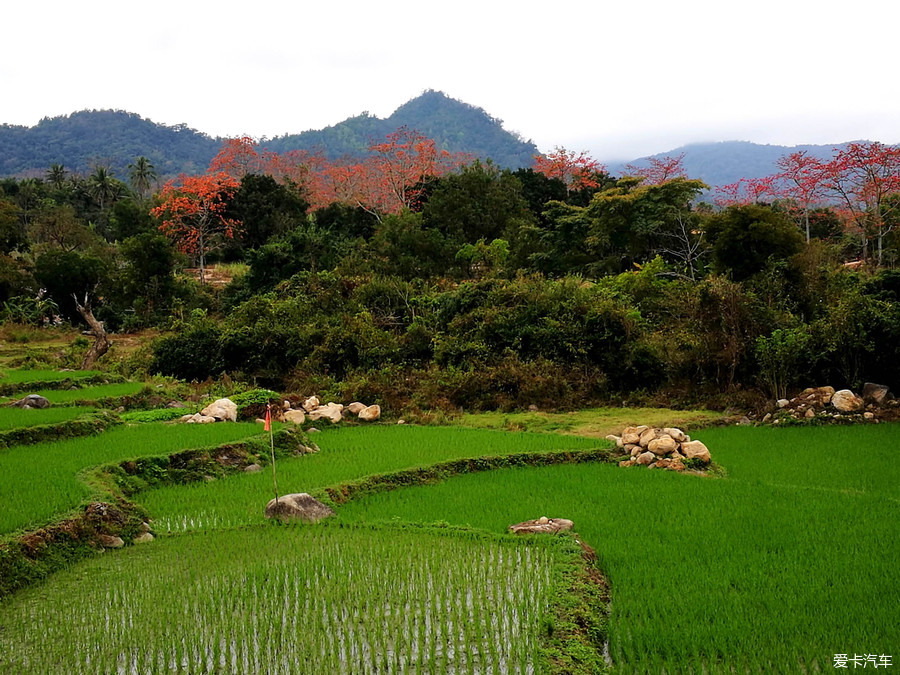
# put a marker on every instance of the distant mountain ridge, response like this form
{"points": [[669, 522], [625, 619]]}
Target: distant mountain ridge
{"points": [[114, 138], [725, 162]]}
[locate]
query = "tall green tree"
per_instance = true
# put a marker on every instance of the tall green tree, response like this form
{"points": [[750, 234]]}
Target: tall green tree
{"points": [[141, 174]]}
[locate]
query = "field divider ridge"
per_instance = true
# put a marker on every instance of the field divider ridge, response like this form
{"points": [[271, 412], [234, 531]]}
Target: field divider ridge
{"points": [[30, 556]]}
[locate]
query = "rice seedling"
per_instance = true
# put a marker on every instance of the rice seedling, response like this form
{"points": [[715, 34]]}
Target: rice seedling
{"points": [[14, 418], [345, 454], [91, 393], [776, 568], [40, 482], [289, 599], [16, 376]]}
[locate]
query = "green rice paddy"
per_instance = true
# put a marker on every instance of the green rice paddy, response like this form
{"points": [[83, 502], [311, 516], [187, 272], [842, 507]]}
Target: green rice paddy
{"points": [[40, 482], [346, 454], [776, 568], [786, 561], [14, 418], [90, 393], [287, 599]]}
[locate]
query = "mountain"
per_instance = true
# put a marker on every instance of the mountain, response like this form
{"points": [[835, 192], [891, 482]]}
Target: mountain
{"points": [[453, 125], [114, 138], [728, 161]]}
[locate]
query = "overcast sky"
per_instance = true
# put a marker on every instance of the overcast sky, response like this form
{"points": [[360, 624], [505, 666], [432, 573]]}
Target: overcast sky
{"points": [[619, 79]]}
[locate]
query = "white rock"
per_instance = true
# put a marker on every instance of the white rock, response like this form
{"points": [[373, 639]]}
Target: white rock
{"points": [[223, 409]]}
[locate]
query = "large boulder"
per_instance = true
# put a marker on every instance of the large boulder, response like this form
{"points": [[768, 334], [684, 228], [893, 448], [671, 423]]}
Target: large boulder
{"points": [[295, 416], [695, 450], [542, 525], [311, 403], [356, 407], [330, 411], [32, 401], [874, 393], [370, 413], [224, 410], [846, 401], [298, 506]]}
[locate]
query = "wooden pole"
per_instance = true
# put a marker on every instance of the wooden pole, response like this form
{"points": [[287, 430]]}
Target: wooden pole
{"points": [[272, 447]]}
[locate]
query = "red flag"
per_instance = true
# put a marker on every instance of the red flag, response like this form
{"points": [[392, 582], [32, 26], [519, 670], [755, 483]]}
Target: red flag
{"points": [[268, 424]]}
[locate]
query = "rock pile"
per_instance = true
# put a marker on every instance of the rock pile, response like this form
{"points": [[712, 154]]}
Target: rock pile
{"points": [[661, 448], [824, 404], [333, 412], [225, 410], [542, 525]]}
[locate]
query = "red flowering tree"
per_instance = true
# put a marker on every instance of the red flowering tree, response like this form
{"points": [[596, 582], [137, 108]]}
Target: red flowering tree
{"points": [[577, 170], [658, 169], [862, 177], [192, 213]]}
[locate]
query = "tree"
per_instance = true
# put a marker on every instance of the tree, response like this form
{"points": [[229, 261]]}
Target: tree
{"points": [[745, 238], [72, 280], [577, 171], [861, 177], [141, 174], [658, 170], [193, 214], [56, 176], [479, 202], [265, 208], [802, 178], [102, 187], [393, 175]]}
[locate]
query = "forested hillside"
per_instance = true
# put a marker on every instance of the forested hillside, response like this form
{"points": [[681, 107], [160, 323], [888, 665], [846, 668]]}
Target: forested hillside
{"points": [[112, 139], [453, 125], [108, 138], [426, 280]]}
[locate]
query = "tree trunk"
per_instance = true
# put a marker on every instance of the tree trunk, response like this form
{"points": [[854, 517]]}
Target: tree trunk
{"points": [[101, 342]]}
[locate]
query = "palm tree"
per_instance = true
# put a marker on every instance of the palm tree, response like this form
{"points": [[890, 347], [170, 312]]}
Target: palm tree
{"points": [[102, 187], [141, 175], [56, 176]]}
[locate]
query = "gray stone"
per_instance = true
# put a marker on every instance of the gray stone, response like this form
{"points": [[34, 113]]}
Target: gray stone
{"points": [[143, 538], [32, 401], [252, 468], [110, 541], [299, 506], [874, 393]]}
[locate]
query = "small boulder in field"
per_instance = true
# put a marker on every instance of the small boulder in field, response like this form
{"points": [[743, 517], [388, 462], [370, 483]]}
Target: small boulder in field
{"points": [[356, 407], [542, 525], [370, 413], [846, 401], [143, 538], [299, 506], [110, 541], [223, 409], [252, 468], [32, 401]]}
